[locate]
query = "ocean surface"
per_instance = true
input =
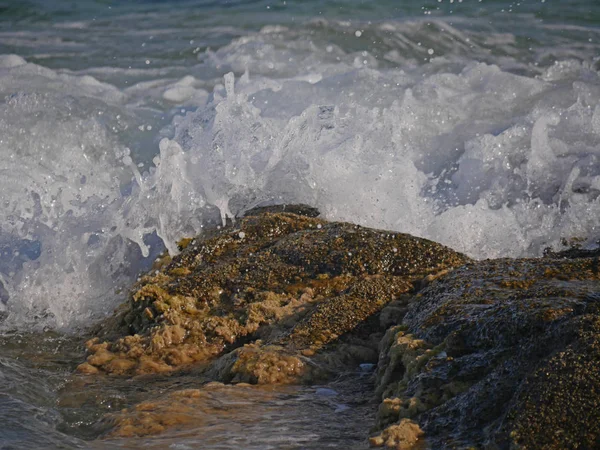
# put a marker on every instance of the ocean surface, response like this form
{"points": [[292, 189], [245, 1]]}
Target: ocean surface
{"points": [[127, 125]]}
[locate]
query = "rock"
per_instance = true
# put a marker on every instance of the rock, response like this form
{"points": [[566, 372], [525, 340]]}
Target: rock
{"points": [[403, 436], [490, 354], [300, 210], [499, 354], [269, 294]]}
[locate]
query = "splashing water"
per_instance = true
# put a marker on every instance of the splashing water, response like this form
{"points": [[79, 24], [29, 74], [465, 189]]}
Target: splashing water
{"points": [[443, 129]]}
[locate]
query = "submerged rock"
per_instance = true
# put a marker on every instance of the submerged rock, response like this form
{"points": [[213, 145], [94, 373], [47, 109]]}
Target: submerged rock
{"points": [[269, 294], [190, 408], [498, 354], [244, 416]]}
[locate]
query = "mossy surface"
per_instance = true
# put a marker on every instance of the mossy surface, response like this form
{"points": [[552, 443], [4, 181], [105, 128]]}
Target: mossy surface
{"points": [[289, 282]]}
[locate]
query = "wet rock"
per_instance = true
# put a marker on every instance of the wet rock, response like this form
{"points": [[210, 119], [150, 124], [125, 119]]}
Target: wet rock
{"points": [[270, 295], [405, 435], [492, 354], [498, 354], [298, 209]]}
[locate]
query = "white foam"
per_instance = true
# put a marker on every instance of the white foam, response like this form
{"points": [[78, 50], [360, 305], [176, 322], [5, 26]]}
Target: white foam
{"points": [[16, 75], [481, 149], [8, 61], [486, 161], [187, 91], [61, 195]]}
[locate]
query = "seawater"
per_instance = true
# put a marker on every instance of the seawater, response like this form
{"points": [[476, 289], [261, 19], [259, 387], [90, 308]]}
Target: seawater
{"points": [[125, 126]]}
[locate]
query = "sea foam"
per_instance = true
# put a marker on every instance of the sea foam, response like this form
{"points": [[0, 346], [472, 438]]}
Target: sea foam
{"points": [[486, 161]]}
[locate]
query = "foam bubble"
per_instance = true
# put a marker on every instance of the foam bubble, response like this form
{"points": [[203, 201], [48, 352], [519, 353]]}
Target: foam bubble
{"points": [[8, 61]]}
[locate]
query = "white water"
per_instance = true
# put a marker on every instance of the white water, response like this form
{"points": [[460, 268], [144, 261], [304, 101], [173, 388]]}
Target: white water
{"points": [[462, 152]]}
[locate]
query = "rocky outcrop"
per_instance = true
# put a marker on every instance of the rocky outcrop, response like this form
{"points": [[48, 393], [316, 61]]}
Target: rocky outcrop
{"points": [[495, 354], [269, 294], [498, 354]]}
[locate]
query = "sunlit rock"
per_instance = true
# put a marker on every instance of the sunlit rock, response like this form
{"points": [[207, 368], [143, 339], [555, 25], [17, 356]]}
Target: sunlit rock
{"points": [[276, 289]]}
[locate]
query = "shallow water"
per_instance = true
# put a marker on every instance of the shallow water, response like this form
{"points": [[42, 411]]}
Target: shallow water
{"points": [[45, 405], [126, 126]]}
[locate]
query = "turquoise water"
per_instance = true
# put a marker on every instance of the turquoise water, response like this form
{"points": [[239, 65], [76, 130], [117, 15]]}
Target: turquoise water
{"points": [[126, 125], [84, 34]]}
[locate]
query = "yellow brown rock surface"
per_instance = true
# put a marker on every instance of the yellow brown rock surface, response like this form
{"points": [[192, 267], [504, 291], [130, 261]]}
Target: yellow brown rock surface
{"points": [[489, 354], [190, 409], [268, 294]]}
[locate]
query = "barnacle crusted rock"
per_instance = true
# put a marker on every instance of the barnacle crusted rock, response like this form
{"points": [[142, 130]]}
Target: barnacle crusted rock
{"points": [[498, 354], [268, 293]]}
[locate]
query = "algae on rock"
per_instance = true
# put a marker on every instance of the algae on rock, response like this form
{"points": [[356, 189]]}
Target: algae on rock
{"points": [[275, 288], [495, 354], [499, 354]]}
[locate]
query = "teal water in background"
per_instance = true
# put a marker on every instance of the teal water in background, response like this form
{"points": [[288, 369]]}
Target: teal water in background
{"points": [[87, 33]]}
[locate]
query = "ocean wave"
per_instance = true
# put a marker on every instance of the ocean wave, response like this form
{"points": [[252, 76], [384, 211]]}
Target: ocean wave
{"points": [[467, 138]]}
